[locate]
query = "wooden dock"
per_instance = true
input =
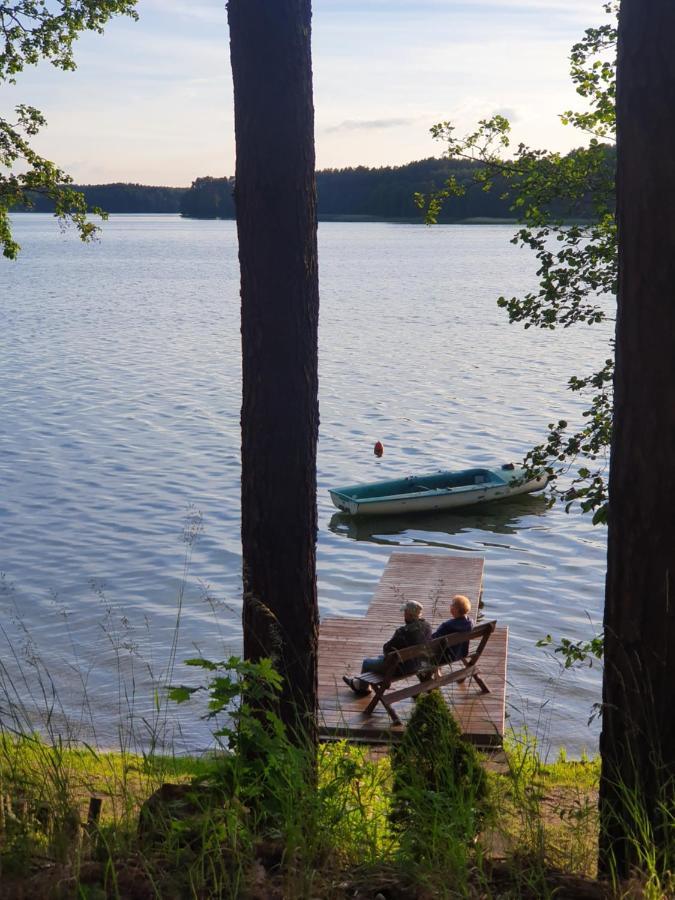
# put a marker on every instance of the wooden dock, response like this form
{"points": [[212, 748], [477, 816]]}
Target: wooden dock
{"points": [[431, 579]]}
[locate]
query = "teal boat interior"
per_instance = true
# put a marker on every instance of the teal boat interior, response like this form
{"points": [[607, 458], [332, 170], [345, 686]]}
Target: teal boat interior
{"points": [[441, 481]]}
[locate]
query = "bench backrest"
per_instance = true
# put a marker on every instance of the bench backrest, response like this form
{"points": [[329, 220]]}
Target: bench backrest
{"points": [[433, 652]]}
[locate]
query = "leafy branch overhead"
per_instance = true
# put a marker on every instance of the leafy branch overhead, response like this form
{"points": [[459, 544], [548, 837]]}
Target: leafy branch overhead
{"points": [[565, 207], [33, 30]]}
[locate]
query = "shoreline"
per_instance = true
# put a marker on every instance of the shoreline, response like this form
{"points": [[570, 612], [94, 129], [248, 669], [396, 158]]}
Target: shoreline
{"points": [[326, 217]]}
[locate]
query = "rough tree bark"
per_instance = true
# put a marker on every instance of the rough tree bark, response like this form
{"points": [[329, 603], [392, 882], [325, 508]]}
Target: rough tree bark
{"points": [[275, 198], [638, 734]]}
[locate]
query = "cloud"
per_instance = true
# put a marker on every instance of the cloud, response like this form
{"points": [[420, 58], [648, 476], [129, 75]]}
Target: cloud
{"points": [[367, 125], [508, 112], [212, 12], [152, 100], [461, 7]]}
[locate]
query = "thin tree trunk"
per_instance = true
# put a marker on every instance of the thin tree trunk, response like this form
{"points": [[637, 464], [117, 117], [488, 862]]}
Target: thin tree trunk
{"points": [[638, 734], [275, 200]]}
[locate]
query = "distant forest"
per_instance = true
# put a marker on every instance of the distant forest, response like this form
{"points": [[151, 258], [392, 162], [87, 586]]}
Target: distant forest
{"points": [[123, 198], [356, 193], [353, 193]]}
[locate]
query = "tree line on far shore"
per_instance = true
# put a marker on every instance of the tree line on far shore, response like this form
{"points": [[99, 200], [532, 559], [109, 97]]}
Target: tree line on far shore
{"points": [[387, 192], [121, 198]]}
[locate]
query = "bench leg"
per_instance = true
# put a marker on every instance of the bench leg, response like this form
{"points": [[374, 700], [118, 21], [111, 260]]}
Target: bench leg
{"points": [[481, 684], [466, 666], [476, 676], [373, 703], [392, 712], [379, 698]]}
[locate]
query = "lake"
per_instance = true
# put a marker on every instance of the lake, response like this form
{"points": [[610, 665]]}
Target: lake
{"points": [[119, 463]]}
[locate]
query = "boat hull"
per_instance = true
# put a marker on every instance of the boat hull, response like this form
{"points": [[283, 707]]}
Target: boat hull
{"points": [[401, 496]]}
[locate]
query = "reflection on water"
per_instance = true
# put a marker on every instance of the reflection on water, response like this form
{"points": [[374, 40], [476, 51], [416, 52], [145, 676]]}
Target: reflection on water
{"points": [[502, 517]]}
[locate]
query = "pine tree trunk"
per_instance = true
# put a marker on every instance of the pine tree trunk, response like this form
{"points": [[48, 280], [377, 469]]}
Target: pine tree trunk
{"points": [[638, 734], [275, 200]]}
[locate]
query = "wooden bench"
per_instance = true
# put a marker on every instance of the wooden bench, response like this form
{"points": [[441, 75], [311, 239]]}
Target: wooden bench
{"points": [[434, 672]]}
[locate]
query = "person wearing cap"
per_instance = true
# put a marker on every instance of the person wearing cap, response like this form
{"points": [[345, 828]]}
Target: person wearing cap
{"points": [[416, 630], [460, 621]]}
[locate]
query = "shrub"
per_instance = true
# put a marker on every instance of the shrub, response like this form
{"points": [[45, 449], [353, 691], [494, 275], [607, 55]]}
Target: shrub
{"points": [[440, 792]]}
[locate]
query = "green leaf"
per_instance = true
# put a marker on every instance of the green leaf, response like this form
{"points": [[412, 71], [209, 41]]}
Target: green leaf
{"points": [[34, 31], [182, 693]]}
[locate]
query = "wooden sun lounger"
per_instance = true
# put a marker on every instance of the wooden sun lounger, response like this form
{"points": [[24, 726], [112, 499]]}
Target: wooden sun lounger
{"points": [[434, 672]]}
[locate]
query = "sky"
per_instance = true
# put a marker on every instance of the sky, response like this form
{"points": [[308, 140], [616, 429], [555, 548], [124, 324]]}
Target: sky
{"points": [[151, 101]]}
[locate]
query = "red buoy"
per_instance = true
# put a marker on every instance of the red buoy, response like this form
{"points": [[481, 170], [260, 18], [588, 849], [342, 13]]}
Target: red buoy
{"points": [[378, 449]]}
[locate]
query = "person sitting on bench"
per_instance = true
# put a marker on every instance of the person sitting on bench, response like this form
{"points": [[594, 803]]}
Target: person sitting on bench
{"points": [[460, 621], [415, 631]]}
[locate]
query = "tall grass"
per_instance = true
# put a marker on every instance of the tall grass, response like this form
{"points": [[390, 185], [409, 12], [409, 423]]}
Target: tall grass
{"points": [[241, 827], [53, 776], [654, 868], [261, 821]]}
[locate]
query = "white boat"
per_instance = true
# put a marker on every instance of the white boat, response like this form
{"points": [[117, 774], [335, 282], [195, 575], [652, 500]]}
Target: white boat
{"points": [[440, 490]]}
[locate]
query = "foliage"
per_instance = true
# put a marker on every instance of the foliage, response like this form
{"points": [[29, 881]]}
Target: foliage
{"points": [[35, 30], [645, 817], [209, 198], [271, 774], [546, 813], [354, 793], [242, 695], [377, 193], [439, 787], [577, 263], [575, 652], [300, 807], [545, 818], [121, 198]]}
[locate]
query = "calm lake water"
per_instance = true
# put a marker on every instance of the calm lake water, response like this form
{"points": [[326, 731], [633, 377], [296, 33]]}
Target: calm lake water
{"points": [[120, 418]]}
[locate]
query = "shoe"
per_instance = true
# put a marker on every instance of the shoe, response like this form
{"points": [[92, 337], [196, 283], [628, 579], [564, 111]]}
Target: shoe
{"points": [[357, 690]]}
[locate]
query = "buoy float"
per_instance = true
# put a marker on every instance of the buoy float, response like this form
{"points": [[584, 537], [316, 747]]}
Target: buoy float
{"points": [[378, 450]]}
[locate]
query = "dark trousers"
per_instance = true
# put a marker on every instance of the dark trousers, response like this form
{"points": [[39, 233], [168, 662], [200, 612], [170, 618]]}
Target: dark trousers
{"points": [[371, 664]]}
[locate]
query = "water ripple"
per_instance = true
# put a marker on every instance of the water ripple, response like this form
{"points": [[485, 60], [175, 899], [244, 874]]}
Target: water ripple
{"points": [[121, 378]]}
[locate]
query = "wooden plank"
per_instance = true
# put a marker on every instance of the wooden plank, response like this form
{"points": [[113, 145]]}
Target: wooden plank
{"points": [[431, 579]]}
